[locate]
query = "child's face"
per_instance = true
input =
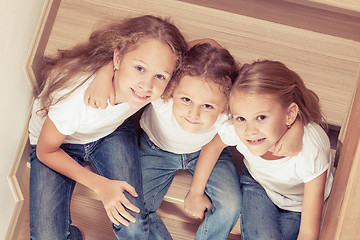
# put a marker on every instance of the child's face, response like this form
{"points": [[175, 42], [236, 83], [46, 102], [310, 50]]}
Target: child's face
{"points": [[143, 73], [197, 103], [259, 120]]}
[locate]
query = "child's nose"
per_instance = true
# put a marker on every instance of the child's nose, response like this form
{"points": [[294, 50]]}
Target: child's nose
{"points": [[251, 129], [146, 84], [194, 112]]}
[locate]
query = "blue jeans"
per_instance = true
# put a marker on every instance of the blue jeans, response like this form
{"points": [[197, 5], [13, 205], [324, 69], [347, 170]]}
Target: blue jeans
{"points": [[115, 157], [260, 217], [223, 188]]}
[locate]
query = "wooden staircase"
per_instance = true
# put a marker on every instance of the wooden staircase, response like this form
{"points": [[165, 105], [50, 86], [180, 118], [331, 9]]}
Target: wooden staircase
{"points": [[318, 39]]}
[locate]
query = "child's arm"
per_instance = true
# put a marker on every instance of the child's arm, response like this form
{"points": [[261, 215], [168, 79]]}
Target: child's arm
{"points": [[290, 143], [101, 88], [196, 202], [111, 192], [312, 208]]}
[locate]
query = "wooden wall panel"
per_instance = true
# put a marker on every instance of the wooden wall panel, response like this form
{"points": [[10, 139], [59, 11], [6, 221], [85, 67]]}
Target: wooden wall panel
{"points": [[332, 19], [343, 209], [325, 62]]}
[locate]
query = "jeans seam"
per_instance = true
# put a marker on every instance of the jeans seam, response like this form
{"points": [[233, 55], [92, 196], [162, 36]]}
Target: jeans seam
{"points": [[69, 196], [156, 192], [95, 165], [150, 143], [206, 228]]}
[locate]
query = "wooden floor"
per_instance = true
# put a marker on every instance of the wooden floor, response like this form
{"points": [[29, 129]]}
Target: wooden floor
{"points": [[89, 215]]}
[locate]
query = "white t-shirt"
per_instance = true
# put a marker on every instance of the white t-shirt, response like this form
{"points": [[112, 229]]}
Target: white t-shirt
{"points": [[164, 131], [283, 179], [80, 123]]}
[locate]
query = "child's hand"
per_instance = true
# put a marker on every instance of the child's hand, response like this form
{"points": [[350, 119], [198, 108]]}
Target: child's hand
{"points": [[97, 96], [115, 202], [101, 88], [196, 204]]}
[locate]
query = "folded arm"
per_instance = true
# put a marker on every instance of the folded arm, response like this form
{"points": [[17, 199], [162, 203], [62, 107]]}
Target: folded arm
{"points": [[110, 191]]}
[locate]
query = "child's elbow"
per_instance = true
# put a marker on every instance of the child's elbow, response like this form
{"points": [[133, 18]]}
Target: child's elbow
{"points": [[41, 153]]}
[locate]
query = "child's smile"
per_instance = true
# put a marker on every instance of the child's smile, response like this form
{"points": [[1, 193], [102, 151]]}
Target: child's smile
{"points": [[138, 95], [143, 73], [256, 141], [259, 121]]}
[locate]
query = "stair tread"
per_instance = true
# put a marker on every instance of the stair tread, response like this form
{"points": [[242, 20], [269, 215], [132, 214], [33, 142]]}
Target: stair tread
{"points": [[175, 194]]}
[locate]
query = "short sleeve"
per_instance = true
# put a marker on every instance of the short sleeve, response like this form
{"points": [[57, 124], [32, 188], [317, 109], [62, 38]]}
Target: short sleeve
{"points": [[227, 134], [316, 158], [158, 103], [67, 114], [221, 120]]}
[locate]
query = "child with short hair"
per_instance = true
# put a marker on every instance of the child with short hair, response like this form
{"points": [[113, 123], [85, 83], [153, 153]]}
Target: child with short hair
{"points": [[65, 133], [282, 196], [175, 129]]}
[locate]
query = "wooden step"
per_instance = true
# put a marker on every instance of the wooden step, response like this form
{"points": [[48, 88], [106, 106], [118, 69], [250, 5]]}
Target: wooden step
{"points": [[172, 207], [175, 194]]}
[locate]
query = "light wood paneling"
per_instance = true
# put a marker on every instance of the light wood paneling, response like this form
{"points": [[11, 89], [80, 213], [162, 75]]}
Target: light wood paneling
{"points": [[343, 214], [325, 62], [332, 19]]}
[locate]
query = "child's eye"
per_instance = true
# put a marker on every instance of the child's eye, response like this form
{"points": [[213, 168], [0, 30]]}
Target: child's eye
{"points": [[140, 68], [261, 117], [161, 77], [240, 119], [208, 106], [186, 100]]}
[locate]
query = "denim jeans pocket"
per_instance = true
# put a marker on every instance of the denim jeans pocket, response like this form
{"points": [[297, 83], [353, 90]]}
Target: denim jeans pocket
{"points": [[150, 143]]}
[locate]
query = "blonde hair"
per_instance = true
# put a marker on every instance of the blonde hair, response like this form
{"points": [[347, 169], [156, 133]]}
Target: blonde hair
{"points": [[69, 66], [274, 78], [213, 63]]}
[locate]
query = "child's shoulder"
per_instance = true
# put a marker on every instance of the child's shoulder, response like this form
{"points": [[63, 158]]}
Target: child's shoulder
{"points": [[157, 103], [221, 121], [315, 156], [71, 99], [315, 135], [228, 134]]}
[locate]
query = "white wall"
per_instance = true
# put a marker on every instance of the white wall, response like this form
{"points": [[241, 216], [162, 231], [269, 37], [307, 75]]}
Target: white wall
{"points": [[18, 21]]}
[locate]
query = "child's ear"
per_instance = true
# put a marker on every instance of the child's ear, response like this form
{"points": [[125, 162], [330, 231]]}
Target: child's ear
{"points": [[292, 112], [116, 59]]}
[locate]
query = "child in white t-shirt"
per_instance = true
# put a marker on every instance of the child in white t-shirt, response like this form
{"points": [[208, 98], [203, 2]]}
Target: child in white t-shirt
{"points": [[65, 133], [175, 129], [282, 196]]}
